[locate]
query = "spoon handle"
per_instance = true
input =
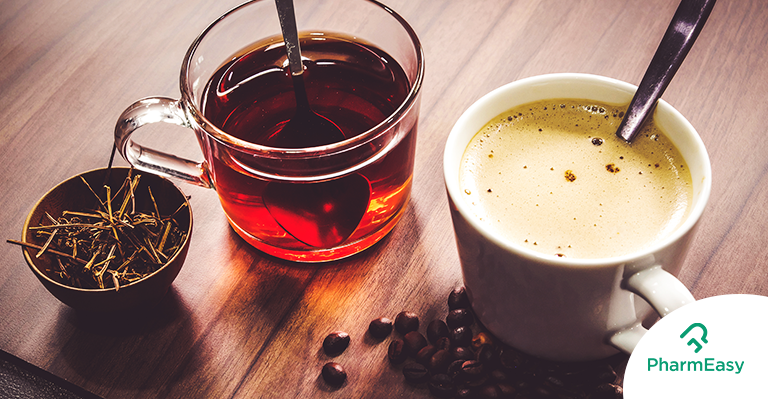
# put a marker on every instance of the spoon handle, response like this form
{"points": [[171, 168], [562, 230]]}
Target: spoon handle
{"points": [[290, 35], [682, 31]]}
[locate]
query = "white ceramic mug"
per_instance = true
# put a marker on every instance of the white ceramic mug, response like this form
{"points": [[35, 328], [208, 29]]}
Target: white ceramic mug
{"points": [[559, 308]]}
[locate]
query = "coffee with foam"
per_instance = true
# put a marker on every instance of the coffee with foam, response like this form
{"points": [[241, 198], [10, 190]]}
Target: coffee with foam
{"points": [[552, 176]]}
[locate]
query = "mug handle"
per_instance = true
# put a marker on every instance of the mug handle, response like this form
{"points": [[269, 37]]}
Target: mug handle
{"points": [[663, 291], [152, 110]]}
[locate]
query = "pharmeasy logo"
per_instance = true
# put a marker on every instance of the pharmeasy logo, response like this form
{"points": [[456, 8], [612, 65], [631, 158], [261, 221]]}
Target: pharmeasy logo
{"points": [[712, 348], [707, 364]]}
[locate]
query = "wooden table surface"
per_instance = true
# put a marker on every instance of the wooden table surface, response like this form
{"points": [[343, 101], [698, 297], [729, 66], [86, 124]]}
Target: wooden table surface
{"points": [[237, 323]]}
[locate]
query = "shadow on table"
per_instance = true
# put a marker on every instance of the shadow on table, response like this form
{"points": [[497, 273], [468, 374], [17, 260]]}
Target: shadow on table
{"points": [[138, 341]]}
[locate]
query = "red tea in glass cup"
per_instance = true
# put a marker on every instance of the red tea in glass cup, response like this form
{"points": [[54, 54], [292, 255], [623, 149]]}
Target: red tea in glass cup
{"points": [[308, 204]]}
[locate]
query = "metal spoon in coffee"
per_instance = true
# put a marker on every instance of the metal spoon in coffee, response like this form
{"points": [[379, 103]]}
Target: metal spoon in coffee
{"points": [[682, 31], [306, 128]]}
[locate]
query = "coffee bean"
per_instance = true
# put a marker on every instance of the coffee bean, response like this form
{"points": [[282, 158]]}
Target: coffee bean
{"points": [[335, 343], [454, 370], [488, 355], [541, 392], [440, 361], [443, 343], [512, 361], [425, 354], [472, 368], [498, 375], [458, 299], [480, 339], [380, 328], [441, 386], [605, 374], [459, 318], [462, 352], [522, 385], [415, 373], [555, 382], [436, 329], [476, 382], [507, 391], [607, 391], [490, 392], [461, 336], [464, 393], [334, 374], [414, 342], [406, 322], [396, 352]]}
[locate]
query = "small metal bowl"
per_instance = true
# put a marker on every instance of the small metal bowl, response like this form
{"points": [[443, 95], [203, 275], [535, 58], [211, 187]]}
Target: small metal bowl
{"points": [[72, 195]]}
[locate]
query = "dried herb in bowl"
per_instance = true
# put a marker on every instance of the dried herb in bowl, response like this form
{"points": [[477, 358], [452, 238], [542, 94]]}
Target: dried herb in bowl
{"points": [[123, 238]]}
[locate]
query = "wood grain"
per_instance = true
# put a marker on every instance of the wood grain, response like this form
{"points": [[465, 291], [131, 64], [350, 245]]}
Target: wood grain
{"points": [[240, 324]]}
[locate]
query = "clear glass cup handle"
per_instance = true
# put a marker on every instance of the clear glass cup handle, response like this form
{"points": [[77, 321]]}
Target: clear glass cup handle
{"points": [[663, 291], [154, 110]]}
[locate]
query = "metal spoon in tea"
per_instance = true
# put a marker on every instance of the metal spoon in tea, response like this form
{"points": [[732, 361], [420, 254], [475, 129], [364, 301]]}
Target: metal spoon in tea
{"points": [[319, 214], [306, 128]]}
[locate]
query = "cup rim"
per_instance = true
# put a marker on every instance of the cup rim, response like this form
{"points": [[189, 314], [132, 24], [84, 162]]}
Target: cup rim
{"points": [[309, 152], [451, 176]]}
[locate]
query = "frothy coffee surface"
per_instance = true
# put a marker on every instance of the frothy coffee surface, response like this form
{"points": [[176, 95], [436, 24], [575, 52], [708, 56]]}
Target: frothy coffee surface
{"points": [[553, 176]]}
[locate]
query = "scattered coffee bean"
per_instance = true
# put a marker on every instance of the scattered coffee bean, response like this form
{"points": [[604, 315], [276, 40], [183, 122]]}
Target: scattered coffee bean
{"points": [[454, 370], [335, 343], [512, 361], [498, 375], [522, 385], [425, 354], [472, 368], [490, 392], [461, 336], [406, 322], [605, 374], [454, 363], [463, 353], [414, 342], [458, 299], [459, 318], [415, 373], [543, 392], [488, 355], [380, 328], [396, 352], [507, 391], [554, 382], [437, 329], [476, 382], [440, 361], [334, 374], [607, 391], [443, 343], [441, 386], [481, 339]]}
